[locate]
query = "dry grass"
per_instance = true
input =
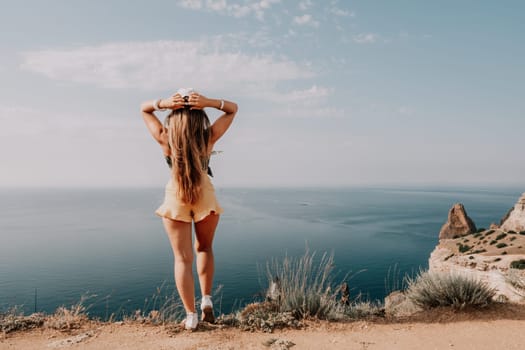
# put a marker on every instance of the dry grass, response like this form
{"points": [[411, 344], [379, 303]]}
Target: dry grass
{"points": [[300, 290], [429, 290], [14, 320], [163, 307], [69, 318], [358, 310], [263, 316], [303, 287], [516, 278]]}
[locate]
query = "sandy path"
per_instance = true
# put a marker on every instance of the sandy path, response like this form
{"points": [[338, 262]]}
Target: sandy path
{"points": [[479, 335]]}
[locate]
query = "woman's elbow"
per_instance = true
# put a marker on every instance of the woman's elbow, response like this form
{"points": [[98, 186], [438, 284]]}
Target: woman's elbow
{"points": [[145, 107], [235, 108]]}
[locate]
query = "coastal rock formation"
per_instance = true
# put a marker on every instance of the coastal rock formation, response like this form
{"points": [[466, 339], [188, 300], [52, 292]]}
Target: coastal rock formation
{"points": [[515, 220], [458, 223], [493, 270], [490, 256]]}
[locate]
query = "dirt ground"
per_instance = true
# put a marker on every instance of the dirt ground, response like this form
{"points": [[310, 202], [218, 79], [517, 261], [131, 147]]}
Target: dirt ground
{"points": [[492, 328]]}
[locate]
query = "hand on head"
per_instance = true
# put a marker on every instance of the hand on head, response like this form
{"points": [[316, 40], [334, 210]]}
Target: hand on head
{"points": [[193, 101]]}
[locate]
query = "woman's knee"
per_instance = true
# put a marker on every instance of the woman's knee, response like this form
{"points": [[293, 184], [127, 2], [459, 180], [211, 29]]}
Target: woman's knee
{"points": [[183, 257], [203, 247]]}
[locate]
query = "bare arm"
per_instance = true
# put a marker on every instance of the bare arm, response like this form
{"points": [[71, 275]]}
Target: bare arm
{"points": [[222, 123], [152, 122]]}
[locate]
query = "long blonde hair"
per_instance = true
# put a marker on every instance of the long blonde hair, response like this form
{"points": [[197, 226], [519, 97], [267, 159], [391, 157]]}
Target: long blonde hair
{"points": [[188, 137]]}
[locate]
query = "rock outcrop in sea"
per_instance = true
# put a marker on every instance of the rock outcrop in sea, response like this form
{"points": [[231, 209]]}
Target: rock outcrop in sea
{"points": [[458, 223], [494, 256]]}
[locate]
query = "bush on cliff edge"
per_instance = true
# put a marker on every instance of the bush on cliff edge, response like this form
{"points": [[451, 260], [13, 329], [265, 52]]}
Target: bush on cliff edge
{"points": [[433, 289]]}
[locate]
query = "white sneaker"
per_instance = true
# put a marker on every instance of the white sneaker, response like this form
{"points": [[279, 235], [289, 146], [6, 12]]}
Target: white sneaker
{"points": [[191, 322], [207, 309]]}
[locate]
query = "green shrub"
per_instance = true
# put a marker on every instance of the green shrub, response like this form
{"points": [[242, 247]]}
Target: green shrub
{"points": [[497, 259], [501, 245], [360, 310], [512, 232], [429, 290], [522, 233], [489, 232], [513, 238], [493, 242], [504, 253], [476, 235], [260, 316], [500, 236], [479, 251], [518, 264], [464, 248], [481, 229]]}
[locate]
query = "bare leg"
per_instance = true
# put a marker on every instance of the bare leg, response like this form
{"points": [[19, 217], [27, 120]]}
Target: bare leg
{"points": [[204, 233], [179, 234]]}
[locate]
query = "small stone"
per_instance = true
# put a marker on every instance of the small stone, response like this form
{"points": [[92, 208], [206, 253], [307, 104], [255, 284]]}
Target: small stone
{"points": [[269, 342], [501, 298]]}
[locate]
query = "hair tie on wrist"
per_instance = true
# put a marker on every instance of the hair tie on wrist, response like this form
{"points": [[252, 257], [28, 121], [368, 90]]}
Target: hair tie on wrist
{"points": [[222, 105]]}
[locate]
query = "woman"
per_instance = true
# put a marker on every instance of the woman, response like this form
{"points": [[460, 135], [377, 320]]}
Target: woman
{"points": [[187, 140]]}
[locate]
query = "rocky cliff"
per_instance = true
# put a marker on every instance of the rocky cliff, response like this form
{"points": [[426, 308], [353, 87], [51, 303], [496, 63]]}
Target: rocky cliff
{"points": [[516, 218], [488, 255]]}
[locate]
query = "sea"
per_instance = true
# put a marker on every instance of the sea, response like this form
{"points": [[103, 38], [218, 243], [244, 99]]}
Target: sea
{"points": [[106, 247]]}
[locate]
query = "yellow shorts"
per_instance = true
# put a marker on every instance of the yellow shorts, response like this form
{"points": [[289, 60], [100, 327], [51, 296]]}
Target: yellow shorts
{"points": [[175, 209]]}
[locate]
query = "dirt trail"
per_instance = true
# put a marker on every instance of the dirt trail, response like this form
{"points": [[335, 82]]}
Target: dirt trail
{"points": [[472, 334]]}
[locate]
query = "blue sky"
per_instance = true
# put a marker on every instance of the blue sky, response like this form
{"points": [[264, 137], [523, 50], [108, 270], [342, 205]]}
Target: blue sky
{"points": [[331, 93]]}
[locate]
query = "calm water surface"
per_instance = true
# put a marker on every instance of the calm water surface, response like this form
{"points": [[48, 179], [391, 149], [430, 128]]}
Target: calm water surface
{"points": [[65, 243]]}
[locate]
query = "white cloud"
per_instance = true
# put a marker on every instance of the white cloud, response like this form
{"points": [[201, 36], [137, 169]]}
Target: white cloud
{"points": [[305, 19], [188, 63], [237, 41], [47, 124], [236, 9], [300, 103], [302, 19], [310, 96], [216, 5], [343, 13], [366, 38], [313, 92], [305, 5], [191, 4], [314, 112]]}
